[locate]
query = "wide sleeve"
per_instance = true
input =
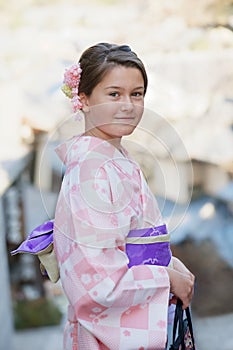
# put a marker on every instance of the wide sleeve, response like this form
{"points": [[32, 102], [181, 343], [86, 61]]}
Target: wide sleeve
{"points": [[98, 203]]}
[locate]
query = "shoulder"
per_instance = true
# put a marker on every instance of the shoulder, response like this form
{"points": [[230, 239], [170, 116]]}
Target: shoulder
{"points": [[94, 155], [80, 148], [96, 163]]}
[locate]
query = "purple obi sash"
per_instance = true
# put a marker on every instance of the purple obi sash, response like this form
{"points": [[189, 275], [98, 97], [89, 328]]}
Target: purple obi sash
{"points": [[143, 246], [149, 246], [38, 240]]}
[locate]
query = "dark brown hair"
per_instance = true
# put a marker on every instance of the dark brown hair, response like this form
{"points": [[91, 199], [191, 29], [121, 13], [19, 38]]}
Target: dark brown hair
{"points": [[97, 60]]}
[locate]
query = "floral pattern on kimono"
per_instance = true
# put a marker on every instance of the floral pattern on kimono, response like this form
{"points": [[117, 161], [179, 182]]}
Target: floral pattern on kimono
{"points": [[103, 196]]}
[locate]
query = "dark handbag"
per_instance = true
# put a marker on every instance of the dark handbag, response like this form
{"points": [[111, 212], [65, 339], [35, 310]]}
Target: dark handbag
{"points": [[183, 338]]}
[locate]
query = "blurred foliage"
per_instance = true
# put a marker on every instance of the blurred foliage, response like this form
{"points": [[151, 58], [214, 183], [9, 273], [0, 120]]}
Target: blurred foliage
{"points": [[36, 313]]}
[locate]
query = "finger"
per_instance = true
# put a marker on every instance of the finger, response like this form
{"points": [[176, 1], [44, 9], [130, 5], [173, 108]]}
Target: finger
{"points": [[173, 300]]}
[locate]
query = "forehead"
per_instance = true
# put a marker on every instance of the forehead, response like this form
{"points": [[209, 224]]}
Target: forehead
{"points": [[122, 76]]}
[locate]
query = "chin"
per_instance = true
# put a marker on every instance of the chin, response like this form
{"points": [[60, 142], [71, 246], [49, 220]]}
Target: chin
{"points": [[125, 129]]}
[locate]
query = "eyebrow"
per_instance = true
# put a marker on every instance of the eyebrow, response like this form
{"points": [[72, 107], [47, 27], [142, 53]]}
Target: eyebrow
{"points": [[118, 87]]}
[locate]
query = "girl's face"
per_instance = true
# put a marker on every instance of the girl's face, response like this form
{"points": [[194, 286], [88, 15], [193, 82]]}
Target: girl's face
{"points": [[115, 106]]}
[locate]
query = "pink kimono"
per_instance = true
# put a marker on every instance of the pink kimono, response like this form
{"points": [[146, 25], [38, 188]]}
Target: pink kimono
{"points": [[111, 306]]}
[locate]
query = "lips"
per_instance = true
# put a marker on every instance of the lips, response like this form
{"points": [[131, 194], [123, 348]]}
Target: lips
{"points": [[127, 121], [126, 118]]}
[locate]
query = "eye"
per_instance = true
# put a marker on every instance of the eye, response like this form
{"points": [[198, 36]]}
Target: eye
{"points": [[137, 94], [114, 94]]}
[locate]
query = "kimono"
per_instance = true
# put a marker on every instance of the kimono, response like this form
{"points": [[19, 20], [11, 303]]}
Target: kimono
{"points": [[111, 305]]}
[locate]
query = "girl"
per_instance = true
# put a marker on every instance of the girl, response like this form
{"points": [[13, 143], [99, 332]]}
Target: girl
{"points": [[103, 197]]}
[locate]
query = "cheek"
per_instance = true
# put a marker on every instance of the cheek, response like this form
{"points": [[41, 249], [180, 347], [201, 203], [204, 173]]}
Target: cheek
{"points": [[139, 109], [106, 111], [101, 114]]}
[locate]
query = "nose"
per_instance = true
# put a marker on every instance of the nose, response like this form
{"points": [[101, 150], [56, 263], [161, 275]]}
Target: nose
{"points": [[126, 104]]}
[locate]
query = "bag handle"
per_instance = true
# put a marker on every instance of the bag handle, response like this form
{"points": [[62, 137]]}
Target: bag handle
{"points": [[188, 315], [178, 321], [182, 325]]}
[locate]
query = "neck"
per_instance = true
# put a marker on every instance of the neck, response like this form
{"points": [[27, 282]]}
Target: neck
{"points": [[116, 142]]}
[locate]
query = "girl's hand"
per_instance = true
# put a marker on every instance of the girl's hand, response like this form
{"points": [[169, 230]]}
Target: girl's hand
{"points": [[179, 266], [181, 282]]}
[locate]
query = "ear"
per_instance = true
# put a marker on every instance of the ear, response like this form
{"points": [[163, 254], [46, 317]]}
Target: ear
{"points": [[84, 100]]}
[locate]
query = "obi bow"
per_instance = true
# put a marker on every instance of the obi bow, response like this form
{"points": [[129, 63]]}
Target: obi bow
{"points": [[40, 242]]}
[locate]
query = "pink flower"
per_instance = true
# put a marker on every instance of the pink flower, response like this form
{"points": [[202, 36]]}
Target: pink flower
{"points": [[76, 103], [103, 316], [114, 219], [161, 324], [162, 271], [71, 82], [127, 211], [75, 91], [73, 188], [140, 286], [127, 333], [72, 76]]}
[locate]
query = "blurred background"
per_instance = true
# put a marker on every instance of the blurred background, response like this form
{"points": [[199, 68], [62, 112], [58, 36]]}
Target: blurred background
{"points": [[187, 48]]}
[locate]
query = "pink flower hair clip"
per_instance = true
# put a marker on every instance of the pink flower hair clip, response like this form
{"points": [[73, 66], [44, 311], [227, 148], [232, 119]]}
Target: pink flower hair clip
{"points": [[70, 87]]}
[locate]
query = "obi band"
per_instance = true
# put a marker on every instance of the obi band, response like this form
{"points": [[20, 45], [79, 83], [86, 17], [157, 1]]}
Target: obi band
{"points": [[143, 246], [149, 246]]}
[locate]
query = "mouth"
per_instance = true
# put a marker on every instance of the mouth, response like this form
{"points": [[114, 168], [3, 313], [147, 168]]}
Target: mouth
{"points": [[125, 118]]}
